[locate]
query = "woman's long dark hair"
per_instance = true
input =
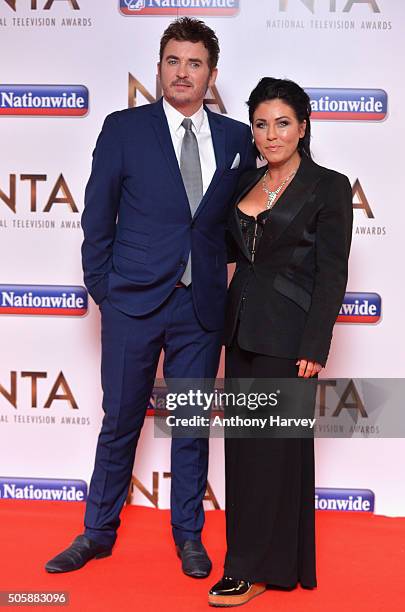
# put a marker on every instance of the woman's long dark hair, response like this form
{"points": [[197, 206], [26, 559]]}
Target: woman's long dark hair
{"points": [[292, 94]]}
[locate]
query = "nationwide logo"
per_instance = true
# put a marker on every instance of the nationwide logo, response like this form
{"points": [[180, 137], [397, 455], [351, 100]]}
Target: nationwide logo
{"points": [[43, 300], [348, 104], [46, 100], [360, 308], [172, 7], [355, 500], [43, 489]]}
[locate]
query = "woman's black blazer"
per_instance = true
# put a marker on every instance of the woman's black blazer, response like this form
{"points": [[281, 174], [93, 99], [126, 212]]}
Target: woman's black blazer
{"points": [[296, 285]]}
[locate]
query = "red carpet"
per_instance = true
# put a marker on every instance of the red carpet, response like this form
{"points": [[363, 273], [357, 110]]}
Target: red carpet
{"points": [[361, 562]]}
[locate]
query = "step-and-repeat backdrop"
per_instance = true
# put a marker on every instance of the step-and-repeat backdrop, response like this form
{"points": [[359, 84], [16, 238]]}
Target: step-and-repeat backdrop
{"points": [[64, 65]]}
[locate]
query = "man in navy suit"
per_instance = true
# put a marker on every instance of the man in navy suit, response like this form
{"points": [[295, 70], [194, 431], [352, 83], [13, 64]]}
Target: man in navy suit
{"points": [[154, 259]]}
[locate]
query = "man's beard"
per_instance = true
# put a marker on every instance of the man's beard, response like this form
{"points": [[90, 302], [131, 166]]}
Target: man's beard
{"points": [[183, 99]]}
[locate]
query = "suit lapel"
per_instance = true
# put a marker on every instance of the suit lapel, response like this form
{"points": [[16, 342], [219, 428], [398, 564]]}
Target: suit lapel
{"points": [[218, 136], [249, 180], [291, 201], [164, 138]]}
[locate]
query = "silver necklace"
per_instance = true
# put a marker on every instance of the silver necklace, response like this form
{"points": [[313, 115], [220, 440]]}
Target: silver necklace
{"points": [[272, 195]]}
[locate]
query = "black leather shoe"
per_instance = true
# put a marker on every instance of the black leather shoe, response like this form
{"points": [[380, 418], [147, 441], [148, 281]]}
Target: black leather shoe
{"points": [[230, 592], [79, 552], [194, 559]]}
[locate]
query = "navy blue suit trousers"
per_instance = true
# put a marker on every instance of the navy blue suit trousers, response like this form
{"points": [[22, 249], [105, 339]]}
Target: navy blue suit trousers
{"points": [[130, 353]]}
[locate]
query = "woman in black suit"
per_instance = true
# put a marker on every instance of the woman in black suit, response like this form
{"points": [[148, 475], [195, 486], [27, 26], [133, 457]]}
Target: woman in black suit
{"points": [[290, 233]]}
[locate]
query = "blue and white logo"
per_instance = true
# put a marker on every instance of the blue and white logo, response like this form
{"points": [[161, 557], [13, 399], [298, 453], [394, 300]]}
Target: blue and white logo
{"points": [[348, 104], [45, 100], [134, 5], [360, 308], [42, 489], [344, 500], [43, 300], [136, 8]]}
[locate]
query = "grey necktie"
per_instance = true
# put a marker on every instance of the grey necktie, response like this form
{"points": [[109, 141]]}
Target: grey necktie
{"points": [[190, 168]]}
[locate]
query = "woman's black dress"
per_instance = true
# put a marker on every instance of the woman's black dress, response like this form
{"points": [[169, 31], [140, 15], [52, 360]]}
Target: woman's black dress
{"points": [[269, 481]]}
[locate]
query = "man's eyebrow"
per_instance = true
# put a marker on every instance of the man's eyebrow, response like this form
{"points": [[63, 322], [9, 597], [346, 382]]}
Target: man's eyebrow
{"points": [[190, 59]]}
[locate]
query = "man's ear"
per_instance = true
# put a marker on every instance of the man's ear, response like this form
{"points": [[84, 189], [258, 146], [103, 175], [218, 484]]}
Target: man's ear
{"points": [[213, 77]]}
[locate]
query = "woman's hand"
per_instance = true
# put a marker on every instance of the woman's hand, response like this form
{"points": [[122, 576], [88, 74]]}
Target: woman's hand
{"points": [[307, 369]]}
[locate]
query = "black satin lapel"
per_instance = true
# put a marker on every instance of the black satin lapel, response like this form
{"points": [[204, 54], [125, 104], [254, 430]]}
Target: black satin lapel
{"points": [[252, 177], [248, 181], [291, 202], [234, 228], [162, 131]]}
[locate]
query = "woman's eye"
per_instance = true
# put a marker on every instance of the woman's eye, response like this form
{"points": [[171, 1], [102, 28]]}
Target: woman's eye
{"points": [[260, 125], [283, 123]]}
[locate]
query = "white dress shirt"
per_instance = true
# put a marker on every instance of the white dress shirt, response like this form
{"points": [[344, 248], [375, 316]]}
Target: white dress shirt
{"points": [[201, 128]]}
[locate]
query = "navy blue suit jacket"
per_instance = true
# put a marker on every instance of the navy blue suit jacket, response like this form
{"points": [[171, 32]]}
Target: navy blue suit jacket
{"points": [[138, 229]]}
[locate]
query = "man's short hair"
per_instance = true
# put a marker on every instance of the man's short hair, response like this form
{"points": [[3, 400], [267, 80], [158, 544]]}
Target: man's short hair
{"points": [[192, 30]]}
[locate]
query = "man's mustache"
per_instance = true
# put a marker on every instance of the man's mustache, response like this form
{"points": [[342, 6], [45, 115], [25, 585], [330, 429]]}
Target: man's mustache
{"points": [[182, 82]]}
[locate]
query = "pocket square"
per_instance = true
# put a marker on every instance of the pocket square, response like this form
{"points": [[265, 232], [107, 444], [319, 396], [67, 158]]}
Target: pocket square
{"points": [[236, 162]]}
